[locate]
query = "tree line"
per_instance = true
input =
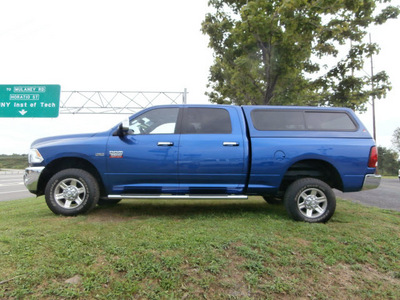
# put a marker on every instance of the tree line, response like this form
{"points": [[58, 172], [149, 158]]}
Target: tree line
{"points": [[389, 163]]}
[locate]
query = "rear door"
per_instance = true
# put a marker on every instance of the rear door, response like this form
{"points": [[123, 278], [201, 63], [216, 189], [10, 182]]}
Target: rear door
{"points": [[213, 151]]}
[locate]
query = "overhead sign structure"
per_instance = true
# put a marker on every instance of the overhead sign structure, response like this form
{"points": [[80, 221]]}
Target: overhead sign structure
{"points": [[29, 101]]}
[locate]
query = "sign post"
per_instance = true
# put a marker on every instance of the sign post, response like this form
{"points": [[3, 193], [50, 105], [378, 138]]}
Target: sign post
{"points": [[29, 101]]}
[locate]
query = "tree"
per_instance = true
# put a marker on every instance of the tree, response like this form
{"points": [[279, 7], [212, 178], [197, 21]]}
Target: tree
{"points": [[277, 51], [388, 161], [396, 139]]}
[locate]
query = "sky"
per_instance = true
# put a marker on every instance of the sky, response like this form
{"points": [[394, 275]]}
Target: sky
{"points": [[129, 45]]}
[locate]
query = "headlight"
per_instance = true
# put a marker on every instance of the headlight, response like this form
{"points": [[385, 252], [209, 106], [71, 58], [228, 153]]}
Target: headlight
{"points": [[34, 156]]}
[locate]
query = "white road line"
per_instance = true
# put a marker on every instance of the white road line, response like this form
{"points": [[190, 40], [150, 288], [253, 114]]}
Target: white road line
{"points": [[14, 179], [11, 184], [10, 192]]}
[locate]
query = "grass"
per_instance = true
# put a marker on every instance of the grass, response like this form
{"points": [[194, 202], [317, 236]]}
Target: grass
{"points": [[14, 161], [197, 250]]}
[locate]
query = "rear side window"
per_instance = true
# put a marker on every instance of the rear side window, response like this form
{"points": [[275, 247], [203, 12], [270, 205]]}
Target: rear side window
{"points": [[332, 121], [270, 120], [198, 120], [278, 120]]}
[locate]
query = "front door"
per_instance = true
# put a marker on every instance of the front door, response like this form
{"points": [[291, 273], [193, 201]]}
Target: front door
{"points": [[145, 160]]}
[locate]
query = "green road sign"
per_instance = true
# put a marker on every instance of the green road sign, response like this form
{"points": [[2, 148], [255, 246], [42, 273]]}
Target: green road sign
{"points": [[29, 101]]}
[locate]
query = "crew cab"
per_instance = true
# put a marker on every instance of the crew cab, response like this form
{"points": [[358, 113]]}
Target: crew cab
{"points": [[290, 155]]}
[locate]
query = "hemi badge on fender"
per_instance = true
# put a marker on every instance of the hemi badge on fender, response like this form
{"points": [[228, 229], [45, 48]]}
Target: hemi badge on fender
{"points": [[116, 154]]}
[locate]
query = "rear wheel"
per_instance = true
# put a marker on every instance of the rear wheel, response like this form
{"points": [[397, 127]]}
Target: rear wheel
{"points": [[71, 192], [310, 200]]}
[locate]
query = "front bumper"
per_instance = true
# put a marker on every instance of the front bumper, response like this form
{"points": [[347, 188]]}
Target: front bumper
{"points": [[31, 178], [371, 181]]}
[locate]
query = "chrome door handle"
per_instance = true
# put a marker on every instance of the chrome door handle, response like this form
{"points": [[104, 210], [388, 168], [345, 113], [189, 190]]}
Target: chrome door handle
{"points": [[165, 144], [231, 144]]}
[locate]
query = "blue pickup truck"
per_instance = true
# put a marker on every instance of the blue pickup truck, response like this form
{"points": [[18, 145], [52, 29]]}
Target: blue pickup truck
{"points": [[289, 155]]}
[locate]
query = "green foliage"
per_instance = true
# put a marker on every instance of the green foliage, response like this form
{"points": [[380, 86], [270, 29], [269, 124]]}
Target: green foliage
{"points": [[274, 52], [197, 249], [388, 161], [396, 139], [14, 161]]}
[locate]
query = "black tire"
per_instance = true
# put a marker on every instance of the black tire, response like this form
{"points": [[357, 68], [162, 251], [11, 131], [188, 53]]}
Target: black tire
{"points": [[310, 200], [72, 192], [273, 200], [108, 202]]}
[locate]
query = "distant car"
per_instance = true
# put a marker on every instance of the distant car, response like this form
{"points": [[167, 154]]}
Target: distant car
{"points": [[399, 174]]}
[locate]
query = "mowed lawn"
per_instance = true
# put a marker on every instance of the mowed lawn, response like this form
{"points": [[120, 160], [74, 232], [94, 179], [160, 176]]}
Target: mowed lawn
{"points": [[166, 249]]}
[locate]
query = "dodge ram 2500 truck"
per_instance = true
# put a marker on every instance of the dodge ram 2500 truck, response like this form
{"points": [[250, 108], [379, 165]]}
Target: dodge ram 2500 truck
{"points": [[293, 155]]}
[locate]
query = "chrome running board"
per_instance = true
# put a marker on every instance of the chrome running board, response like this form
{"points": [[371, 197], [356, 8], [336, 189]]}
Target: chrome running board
{"points": [[178, 197]]}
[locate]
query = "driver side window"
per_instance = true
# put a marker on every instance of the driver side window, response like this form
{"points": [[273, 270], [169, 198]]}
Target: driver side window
{"points": [[156, 121]]}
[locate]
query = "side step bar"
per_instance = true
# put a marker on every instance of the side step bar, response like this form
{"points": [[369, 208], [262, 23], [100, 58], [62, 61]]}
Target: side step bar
{"points": [[178, 197]]}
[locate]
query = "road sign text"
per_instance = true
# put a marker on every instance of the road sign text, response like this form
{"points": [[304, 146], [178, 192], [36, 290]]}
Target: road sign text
{"points": [[37, 101]]}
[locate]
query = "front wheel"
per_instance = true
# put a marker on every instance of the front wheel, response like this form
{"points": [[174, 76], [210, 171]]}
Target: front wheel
{"points": [[310, 200], [71, 192]]}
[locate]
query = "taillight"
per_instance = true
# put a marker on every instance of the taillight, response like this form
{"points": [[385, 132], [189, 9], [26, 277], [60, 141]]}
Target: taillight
{"points": [[373, 158]]}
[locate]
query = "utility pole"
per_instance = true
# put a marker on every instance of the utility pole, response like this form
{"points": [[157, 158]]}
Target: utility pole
{"points": [[184, 96], [373, 97]]}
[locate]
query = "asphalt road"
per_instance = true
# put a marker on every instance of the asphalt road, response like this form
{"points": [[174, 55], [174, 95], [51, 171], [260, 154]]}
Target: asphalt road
{"points": [[12, 186], [387, 195]]}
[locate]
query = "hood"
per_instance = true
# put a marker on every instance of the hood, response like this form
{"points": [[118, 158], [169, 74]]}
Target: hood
{"points": [[60, 139]]}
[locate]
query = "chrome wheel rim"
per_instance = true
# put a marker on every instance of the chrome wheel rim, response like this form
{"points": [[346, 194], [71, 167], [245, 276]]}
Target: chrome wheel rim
{"points": [[312, 203], [69, 193]]}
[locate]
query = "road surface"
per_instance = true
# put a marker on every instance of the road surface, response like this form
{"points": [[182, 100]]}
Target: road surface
{"points": [[12, 186], [387, 195]]}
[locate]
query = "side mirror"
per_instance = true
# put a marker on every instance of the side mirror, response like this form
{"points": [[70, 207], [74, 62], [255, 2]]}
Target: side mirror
{"points": [[125, 125], [123, 128]]}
